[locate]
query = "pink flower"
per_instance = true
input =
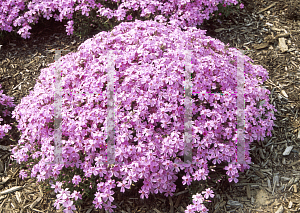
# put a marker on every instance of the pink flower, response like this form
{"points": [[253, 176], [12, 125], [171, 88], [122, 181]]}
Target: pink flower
{"points": [[64, 194], [228, 132], [98, 196], [69, 28], [23, 174], [241, 6], [208, 193], [200, 208], [234, 177], [57, 186], [231, 170], [189, 209], [109, 207], [187, 180], [123, 185], [107, 195], [97, 204], [56, 204], [76, 179], [143, 194], [76, 195], [147, 185], [169, 193], [129, 17], [198, 198], [69, 207]]}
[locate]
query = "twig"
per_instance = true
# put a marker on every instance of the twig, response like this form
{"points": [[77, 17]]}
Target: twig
{"points": [[267, 8]]}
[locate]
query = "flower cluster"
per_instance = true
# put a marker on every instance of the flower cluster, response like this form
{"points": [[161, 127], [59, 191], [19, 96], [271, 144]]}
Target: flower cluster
{"points": [[182, 12], [5, 101], [149, 109], [224, 10]]}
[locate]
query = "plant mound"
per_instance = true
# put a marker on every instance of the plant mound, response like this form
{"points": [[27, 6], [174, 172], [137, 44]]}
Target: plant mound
{"points": [[149, 111], [5, 103], [21, 15]]}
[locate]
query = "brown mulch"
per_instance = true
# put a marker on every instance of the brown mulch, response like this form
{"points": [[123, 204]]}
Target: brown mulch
{"points": [[268, 31]]}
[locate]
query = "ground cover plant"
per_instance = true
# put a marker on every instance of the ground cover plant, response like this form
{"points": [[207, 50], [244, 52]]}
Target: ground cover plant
{"points": [[149, 63], [19, 15], [5, 103], [208, 135]]}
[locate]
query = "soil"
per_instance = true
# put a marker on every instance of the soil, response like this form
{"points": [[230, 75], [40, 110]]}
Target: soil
{"points": [[259, 30]]}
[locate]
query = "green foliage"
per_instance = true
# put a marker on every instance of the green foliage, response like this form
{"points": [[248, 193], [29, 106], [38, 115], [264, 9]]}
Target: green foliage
{"points": [[225, 11], [5, 36], [217, 176], [85, 25]]}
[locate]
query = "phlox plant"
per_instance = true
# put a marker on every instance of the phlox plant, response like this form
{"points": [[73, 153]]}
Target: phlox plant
{"points": [[21, 15], [224, 10], [149, 111], [5, 102]]}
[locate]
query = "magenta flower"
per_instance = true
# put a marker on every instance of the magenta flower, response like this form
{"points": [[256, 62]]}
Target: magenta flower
{"points": [[129, 17], [169, 193], [56, 204], [107, 195], [189, 209], [198, 198], [109, 207], [98, 197], [69, 28], [76, 179], [123, 185], [64, 194], [57, 186], [208, 193], [76, 195], [143, 194], [69, 207], [234, 177], [22, 174], [97, 204], [231, 170], [187, 180], [199, 207]]}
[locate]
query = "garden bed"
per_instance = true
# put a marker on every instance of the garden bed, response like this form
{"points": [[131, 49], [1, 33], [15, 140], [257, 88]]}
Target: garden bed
{"points": [[261, 29]]}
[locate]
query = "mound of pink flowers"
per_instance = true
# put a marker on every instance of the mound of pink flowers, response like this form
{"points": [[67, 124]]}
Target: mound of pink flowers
{"points": [[149, 111], [19, 15]]}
